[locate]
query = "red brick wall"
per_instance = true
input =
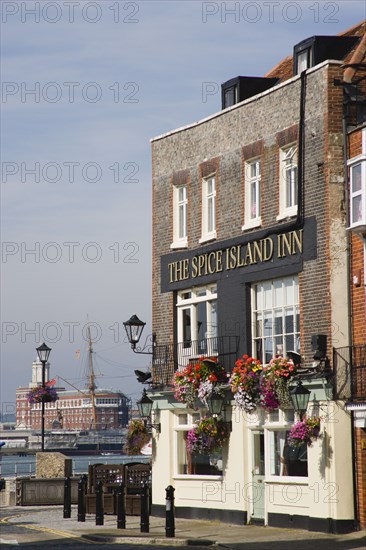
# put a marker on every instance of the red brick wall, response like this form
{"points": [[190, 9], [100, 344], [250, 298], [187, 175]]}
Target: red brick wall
{"points": [[357, 263], [360, 435], [358, 301]]}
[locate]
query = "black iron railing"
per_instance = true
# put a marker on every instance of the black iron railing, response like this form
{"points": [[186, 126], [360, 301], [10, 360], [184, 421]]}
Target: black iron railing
{"points": [[171, 357], [350, 372]]}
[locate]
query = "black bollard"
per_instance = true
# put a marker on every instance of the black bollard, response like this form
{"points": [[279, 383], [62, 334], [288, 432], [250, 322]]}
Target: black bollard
{"points": [[67, 498], [81, 497], [144, 517], [121, 509], [99, 504], [169, 512]]}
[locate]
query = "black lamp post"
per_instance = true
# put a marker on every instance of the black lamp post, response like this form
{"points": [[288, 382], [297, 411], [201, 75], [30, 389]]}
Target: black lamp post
{"points": [[300, 398], [134, 327], [43, 352], [145, 406]]}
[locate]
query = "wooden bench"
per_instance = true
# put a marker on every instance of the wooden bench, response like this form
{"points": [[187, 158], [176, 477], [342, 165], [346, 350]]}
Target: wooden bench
{"points": [[109, 475], [133, 475]]}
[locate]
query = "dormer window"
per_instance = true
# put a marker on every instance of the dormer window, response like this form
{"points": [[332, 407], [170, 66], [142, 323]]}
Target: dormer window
{"points": [[303, 60], [230, 96]]}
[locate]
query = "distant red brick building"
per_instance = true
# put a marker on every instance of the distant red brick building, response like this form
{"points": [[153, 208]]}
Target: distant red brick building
{"points": [[73, 410]]}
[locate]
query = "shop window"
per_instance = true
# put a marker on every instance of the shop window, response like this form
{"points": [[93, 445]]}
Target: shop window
{"points": [[276, 318], [358, 194], [180, 216], [208, 209], [252, 193], [286, 460], [288, 182], [196, 464]]}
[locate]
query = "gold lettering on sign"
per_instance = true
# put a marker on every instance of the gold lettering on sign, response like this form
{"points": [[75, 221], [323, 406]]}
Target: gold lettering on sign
{"points": [[289, 244], [234, 257], [178, 271]]}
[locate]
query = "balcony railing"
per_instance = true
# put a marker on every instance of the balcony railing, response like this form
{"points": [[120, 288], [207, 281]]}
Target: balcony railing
{"points": [[171, 357], [350, 372]]}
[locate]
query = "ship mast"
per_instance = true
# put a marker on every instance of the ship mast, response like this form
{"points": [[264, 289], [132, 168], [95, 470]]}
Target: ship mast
{"points": [[92, 386]]}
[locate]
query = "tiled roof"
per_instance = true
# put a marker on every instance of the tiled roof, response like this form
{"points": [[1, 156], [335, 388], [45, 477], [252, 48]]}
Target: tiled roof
{"points": [[284, 69]]}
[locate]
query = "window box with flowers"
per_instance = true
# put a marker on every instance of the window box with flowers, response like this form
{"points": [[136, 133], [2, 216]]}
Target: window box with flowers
{"points": [[199, 380], [39, 395]]}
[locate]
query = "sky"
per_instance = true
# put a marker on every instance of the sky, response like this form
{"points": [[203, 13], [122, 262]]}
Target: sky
{"points": [[85, 86]]}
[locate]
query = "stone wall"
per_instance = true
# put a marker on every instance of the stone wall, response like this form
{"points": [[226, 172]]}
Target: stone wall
{"points": [[51, 465]]}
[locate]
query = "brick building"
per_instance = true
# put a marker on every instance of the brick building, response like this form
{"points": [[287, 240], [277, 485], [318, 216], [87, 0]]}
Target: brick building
{"points": [[73, 410], [250, 255]]}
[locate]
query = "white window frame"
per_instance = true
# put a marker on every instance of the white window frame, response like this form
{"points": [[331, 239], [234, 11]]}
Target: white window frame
{"points": [[250, 180], [288, 165], [191, 303], [180, 217], [358, 225], [279, 420], [192, 418], [262, 312], [208, 209]]}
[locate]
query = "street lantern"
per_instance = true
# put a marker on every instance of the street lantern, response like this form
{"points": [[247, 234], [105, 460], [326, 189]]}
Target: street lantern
{"points": [[300, 398], [43, 352], [215, 403], [145, 406], [134, 327]]}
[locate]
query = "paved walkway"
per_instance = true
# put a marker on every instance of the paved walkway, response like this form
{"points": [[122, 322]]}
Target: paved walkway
{"points": [[187, 532]]}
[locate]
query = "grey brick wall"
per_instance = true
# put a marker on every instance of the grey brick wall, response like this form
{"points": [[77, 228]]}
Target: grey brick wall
{"points": [[223, 137]]}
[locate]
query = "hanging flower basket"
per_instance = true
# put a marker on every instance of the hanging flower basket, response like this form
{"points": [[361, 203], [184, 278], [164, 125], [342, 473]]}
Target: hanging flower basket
{"points": [[208, 436], [137, 437], [304, 432], [274, 383], [245, 383], [199, 380], [39, 395]]}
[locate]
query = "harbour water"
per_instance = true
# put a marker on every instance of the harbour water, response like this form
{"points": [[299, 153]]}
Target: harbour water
{"points": [[20, 466]]}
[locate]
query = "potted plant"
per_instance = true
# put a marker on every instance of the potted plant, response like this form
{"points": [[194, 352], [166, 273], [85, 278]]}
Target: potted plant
{"points": [[39, 395], [137, 437], [304, 432], [245, 382], [199, 380]]}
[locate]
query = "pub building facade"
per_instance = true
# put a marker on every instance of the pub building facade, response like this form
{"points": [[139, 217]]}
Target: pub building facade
{"points": [[250, 229]]}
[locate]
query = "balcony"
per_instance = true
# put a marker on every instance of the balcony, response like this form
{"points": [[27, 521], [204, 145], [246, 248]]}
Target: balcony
{"points": [[169, 358], [350, 373]]}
